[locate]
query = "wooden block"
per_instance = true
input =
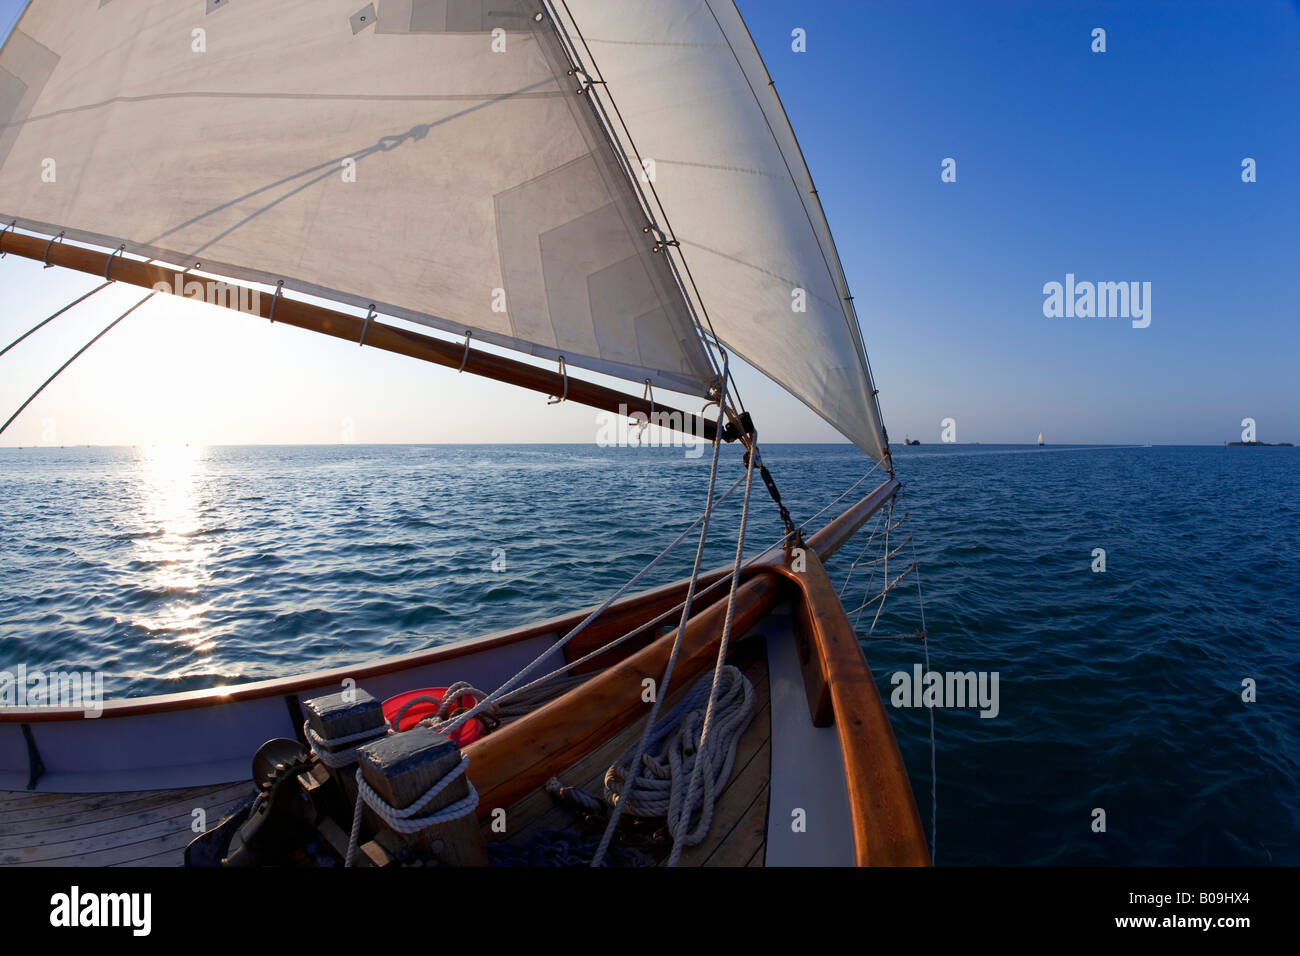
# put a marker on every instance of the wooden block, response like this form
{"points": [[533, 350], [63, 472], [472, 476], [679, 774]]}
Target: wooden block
{"points": [[341, 715], [373, 852], [401, 768], [344, 714]]}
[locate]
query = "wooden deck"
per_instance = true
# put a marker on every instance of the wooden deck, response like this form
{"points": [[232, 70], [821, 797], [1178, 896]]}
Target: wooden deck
{"points": [[149, 828], [737, 836], [152, 828]]}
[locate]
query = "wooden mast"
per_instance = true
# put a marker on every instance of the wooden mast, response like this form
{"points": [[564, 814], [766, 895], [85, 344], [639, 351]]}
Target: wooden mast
{"points": [[315, 318]]}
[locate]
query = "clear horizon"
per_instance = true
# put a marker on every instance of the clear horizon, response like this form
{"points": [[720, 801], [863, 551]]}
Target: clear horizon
{"points": [[490, 444], [1108, 167]]}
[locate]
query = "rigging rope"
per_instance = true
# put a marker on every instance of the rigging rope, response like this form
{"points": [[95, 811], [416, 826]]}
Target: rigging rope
{"points": [[44, 322], [875, 532], [934, 776], [888, 584], [643, 742], [842, 496], [792, 533], [509, 685], [681, 833], [75, 356], [695, 306]]}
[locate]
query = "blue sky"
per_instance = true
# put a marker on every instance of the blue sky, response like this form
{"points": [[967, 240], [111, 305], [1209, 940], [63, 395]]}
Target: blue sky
{"points": [[1115, 166]]}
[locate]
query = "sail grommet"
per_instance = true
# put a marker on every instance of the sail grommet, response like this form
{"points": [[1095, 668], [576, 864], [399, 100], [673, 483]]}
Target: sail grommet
{"points": [[8, 228], [49, 247], [109, 264], [564, 370], [279, 287], [366, 328], [464, 359]]}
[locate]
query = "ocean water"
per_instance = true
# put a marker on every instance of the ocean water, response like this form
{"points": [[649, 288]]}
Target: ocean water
{"points": [[178, 568]]}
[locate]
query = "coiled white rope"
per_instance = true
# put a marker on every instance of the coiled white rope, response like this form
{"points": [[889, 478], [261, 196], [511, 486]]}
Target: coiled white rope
{"points": [[676, 753]]}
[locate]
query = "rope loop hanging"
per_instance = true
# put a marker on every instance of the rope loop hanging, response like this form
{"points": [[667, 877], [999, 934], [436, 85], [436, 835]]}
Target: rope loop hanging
{"points": [[564, 396], [279, 287], [49, 246], [334, 752], [464, 359], [109, 264], [648, 394], [370, 314]]}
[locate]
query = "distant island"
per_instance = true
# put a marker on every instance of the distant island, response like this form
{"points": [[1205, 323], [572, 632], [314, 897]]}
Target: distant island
{"points": [[1262, 444]]}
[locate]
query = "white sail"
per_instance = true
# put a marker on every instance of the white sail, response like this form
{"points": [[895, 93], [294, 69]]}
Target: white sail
{"points": [[701, 113], [430, 156], [411, 158]]}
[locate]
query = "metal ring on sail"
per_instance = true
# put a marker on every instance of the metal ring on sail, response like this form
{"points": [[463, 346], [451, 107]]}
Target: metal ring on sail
{"points": [[109, 264], [565, 372], [464, 359], [57, 238], [279, 287], [8, 228]]}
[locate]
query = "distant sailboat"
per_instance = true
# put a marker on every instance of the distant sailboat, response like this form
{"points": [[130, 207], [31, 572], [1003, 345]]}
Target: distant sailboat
{"points": [[1040, 439]]}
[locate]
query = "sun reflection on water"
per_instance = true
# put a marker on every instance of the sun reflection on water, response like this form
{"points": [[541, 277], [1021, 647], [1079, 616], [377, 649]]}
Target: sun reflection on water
{"points": [[171, 553]]}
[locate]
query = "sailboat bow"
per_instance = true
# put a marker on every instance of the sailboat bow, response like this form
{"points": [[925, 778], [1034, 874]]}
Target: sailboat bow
{"points": [[437, 168]]}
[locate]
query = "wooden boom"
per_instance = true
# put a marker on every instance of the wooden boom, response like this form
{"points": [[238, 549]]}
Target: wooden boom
{"points": [[315, 318]]}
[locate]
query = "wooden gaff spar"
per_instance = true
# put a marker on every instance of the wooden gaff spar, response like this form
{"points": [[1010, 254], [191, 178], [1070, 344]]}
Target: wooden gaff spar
{"points": [[634, 230]]}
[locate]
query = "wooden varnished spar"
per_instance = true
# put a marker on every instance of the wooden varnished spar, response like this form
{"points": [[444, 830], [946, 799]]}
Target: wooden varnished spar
{"points": [[315, 318]]}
